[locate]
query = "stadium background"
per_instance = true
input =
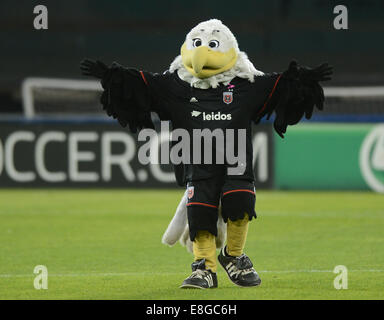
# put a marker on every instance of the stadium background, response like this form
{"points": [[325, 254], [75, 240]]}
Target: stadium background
{"points": [[271, 32], [69, 143]]}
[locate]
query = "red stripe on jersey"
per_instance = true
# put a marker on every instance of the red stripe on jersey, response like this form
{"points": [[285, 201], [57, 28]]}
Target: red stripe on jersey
{"points": [[270, 95], [142, 75], [201, 204]]}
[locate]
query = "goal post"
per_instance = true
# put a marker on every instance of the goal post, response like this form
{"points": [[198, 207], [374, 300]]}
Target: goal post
{"points": [[60, 97], [371, 91], [30, 84]]}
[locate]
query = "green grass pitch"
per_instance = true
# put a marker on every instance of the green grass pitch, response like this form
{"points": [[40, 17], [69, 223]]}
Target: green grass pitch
{"points": [[100, 244]]}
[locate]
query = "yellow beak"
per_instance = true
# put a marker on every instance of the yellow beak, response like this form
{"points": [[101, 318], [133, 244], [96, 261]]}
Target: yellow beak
{"points": [[199, 58], [204, 62]]}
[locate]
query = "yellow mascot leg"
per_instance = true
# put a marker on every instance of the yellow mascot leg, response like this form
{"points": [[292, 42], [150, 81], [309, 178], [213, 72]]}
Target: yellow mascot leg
{"points": [[204, 247], [237, 235]]}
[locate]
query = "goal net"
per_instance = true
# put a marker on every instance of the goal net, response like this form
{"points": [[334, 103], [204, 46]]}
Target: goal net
{"points": [[355, 101], [60, 97]]}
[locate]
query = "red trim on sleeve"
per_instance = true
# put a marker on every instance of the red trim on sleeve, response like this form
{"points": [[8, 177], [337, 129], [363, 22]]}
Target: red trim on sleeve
{"points": [[142, 75], [238, 190], [201, 204], [270, 95]]}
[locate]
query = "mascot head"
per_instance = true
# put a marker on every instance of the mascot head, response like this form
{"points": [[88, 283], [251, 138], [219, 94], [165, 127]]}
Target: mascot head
{"points": [[210, 55], [209, 48]]}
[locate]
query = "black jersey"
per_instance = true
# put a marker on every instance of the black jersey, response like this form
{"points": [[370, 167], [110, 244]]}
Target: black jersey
{"points": [[226, 107], [130, 96]]}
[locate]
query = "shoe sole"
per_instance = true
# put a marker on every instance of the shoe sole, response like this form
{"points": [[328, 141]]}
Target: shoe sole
{"points": [[191, 286], [252, 286]]}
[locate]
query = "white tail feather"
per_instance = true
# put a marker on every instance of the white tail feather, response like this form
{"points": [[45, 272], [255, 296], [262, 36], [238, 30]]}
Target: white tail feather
{"points": [[177, 225], [178, 228]]}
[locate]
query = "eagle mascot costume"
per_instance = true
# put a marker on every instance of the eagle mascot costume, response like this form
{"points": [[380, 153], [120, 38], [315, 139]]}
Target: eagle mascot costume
{"points": [[212, 80]]}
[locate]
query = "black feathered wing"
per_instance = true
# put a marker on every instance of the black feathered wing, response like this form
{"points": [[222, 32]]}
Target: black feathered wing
{"points": [[295, 94], [126, 97]]}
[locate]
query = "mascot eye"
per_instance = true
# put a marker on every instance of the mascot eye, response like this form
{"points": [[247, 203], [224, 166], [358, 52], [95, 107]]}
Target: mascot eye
{"points": [[213, 44], [196, 42]]}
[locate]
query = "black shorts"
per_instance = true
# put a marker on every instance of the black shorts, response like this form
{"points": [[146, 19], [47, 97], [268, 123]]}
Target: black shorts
{"points": [[237, 198]]}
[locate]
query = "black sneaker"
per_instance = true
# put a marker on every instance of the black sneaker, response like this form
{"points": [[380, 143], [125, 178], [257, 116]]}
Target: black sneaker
{"points": [[239, 269], [200, 277]]}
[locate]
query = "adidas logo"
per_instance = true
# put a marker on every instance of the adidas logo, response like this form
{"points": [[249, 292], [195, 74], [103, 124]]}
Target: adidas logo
{"points": [[231, 268], [193, 99], [209, 279], [195, 113]]}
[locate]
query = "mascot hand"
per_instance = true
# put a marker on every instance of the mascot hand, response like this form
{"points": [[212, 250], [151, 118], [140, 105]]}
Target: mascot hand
{"points": [[92, 68], [308, 75], [292, 73], [311, 75]]}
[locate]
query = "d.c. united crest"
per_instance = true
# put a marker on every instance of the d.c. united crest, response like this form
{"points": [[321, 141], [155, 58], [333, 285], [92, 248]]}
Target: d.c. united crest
{"points": [[191, 191], [227, 97]]}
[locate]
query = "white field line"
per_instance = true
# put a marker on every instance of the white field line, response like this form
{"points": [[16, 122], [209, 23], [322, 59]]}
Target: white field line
{"points": [[112, 274]]}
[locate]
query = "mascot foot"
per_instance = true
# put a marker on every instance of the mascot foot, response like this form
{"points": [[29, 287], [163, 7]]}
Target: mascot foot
{"points": [[200, 277], [239, 269]]}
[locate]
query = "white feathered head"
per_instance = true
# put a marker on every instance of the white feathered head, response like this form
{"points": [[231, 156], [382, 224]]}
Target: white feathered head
{"points": [[210, 55]]}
